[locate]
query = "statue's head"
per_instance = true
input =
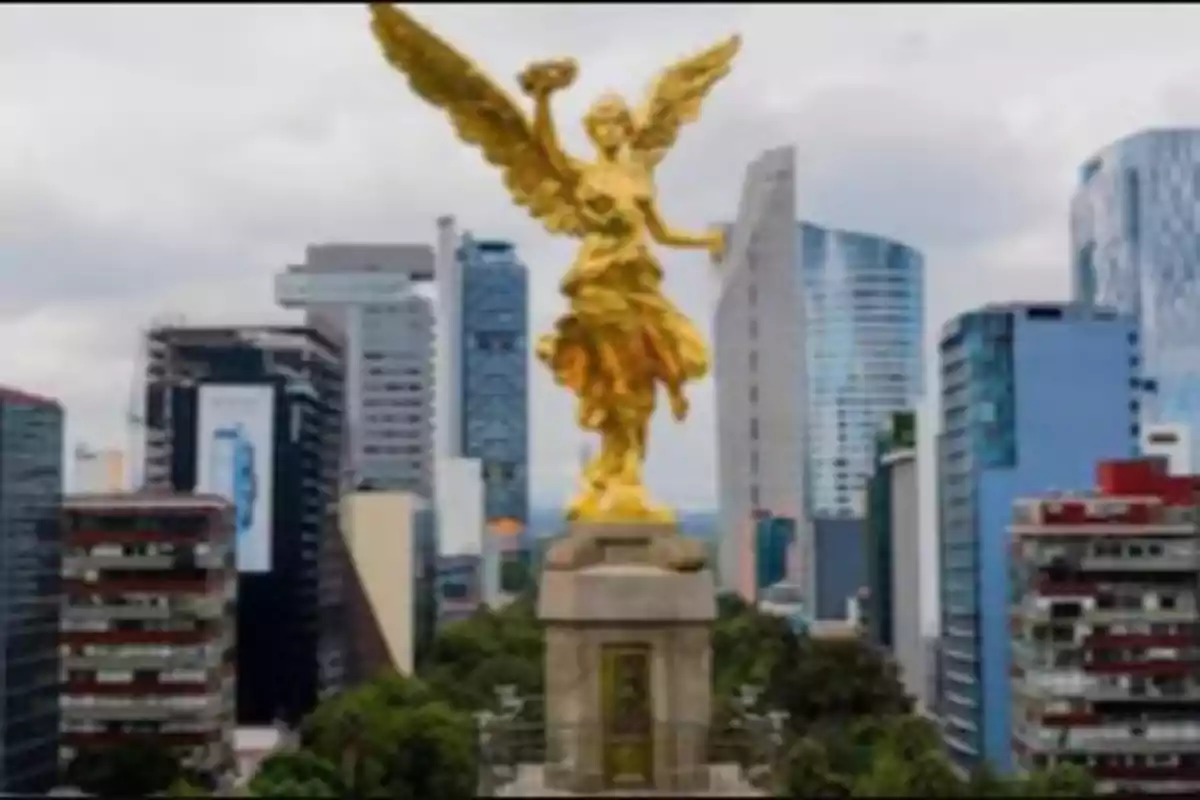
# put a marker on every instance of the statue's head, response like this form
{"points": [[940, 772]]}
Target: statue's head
{"points": [[609, 123]]}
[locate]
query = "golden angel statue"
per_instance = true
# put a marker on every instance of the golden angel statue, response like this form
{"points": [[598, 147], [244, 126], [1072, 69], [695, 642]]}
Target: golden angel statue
{"points": [[621, 338]]}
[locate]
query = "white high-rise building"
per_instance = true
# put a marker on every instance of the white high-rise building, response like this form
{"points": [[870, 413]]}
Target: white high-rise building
{"points": [[371, 293], [461, 525], [448, 274], [760, 375]]}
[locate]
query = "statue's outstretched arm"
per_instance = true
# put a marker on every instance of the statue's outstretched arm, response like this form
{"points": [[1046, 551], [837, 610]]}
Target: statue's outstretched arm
{"points": [[541, 81], [667, 237], [547, 134]]}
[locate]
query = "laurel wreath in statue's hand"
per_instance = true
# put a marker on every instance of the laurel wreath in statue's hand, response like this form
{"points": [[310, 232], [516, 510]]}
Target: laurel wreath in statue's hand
{"points": [[544, 78]]}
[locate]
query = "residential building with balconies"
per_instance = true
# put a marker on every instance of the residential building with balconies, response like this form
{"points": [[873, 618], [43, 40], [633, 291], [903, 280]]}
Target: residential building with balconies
{"points": [[149, 624], [1106, 631]]}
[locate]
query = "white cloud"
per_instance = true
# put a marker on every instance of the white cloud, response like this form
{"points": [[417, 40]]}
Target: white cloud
{"points": [[172, 158]]}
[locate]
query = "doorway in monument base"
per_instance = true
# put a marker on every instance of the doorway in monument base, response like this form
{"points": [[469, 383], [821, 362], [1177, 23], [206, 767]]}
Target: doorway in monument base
{"points": [[627, 716]]}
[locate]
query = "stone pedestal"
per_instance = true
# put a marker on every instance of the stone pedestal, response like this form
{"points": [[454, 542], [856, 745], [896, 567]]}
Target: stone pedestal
{"points": [[641, 587]]}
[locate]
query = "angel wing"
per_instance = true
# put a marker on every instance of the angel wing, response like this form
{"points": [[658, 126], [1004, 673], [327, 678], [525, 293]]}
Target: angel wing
{"points": [[483, 115], [675, 99]]}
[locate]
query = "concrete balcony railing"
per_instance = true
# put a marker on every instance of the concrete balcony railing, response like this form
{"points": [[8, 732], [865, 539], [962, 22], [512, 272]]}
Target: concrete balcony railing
{"points": [[111, 613], [1108, 616], [148, 709], [1029, 612], [185, 661], [1144, 564], [1054, 739], [74, 566], [209, 606]]}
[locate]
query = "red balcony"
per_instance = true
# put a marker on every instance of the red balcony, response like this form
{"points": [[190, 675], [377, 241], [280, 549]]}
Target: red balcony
{"points": [[149, 585], [1117, 773], [172, 739], [1152, 668], [137, 637], [1071, 719], [1086, 512], [135, 688], [90, 538], [1051, 588]]}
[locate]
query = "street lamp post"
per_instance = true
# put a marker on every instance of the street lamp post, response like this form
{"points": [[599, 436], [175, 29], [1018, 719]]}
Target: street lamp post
{"points": [[490, 726], [765, 730]]}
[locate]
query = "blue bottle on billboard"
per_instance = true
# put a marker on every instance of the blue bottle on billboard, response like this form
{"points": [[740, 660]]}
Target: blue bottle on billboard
{"points": [[231, 473]]}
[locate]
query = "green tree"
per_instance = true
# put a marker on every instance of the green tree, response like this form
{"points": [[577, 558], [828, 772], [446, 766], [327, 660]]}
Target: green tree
{"points": [[749, 647], [138, 766], [931, 775], [837, 681], [297, 773], [182, 787], [808, 772], [984, 782], [469, 659], [1060, 780], [894, 756], [392, 737], [888, 776]]}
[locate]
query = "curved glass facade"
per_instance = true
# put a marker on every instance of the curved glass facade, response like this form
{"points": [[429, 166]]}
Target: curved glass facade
{"points": [[1135, 244], [865, 315]]}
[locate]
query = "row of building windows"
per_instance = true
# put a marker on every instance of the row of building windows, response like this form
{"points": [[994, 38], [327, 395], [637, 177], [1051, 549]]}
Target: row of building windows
{"points": [[142, 650], [102, 701], [123, 676]]}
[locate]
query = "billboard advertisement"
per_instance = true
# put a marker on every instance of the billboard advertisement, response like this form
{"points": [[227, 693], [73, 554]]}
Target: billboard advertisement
{"points": [[235, 426]]}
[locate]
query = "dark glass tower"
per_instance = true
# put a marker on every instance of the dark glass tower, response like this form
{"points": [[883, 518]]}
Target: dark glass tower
{"points": [[31, 431], [290, 649]]}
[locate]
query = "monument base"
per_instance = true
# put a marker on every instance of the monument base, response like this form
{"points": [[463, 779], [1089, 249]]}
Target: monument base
{"points": [[724, 780], [628, 663]]}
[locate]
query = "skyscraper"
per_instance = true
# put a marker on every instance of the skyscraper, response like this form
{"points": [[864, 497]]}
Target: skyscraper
{"points": [[31, 479], [864, 323], [1032, 397], [370, 294], [254, 414], [1135, 221], [495, 363], [894, 570], [483, 325], [818, 337], [759, 372]]}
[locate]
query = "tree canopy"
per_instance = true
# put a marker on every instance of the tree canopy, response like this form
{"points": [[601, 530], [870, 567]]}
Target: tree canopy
{"points": [[850, 730], [139, 766]]}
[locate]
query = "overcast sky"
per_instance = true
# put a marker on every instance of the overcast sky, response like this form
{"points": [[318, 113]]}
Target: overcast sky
{"points": [[171, 159]]}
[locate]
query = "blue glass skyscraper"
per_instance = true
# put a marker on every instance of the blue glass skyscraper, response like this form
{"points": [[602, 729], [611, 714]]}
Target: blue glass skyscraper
{"points": [[1032, 397], [864, 309], [494, 363], [1135, 242]]}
